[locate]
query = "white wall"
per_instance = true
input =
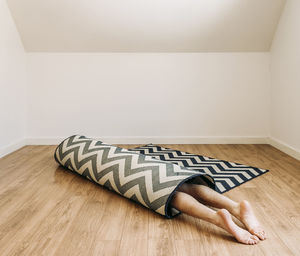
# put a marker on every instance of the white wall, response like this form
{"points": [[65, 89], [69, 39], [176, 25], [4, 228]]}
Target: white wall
{"points": [[146, 26], [152, 97], [161, 95], [13, 80], [285, 70]]}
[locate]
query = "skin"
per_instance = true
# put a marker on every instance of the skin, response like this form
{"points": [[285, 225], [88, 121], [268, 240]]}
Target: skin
{"points": [[192, 199]]}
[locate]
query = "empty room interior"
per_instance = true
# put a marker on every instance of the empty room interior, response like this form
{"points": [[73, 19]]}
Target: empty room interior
{"points": [[149, 127]]}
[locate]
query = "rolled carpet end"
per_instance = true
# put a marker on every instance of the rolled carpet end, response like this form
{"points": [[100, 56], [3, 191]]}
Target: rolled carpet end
{"points": [[141, 178]]}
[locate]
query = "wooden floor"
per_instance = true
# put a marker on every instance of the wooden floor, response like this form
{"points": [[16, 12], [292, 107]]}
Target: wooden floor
{"points": [[45, 210]]}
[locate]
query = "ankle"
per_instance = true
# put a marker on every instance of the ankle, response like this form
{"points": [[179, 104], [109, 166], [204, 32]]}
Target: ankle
{"points": [[236, 210], [216, 219], [221, 213]]}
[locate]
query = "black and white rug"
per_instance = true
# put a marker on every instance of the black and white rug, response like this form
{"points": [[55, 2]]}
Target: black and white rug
{"points": [[143, 179], [227, 175]]}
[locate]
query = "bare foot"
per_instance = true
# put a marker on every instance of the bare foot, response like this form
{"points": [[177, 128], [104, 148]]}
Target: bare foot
{"points": [[240, 234], [246, 215]]}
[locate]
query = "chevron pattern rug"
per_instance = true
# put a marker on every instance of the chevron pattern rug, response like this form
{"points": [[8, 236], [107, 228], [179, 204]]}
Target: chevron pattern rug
{"points": [[148, 181], [227, 175]]}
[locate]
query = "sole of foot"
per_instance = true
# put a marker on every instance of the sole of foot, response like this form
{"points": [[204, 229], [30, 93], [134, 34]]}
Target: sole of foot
{"points": [[241, 235]]}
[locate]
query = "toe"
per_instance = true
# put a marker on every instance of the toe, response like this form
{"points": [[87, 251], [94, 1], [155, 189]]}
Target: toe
{"points": [[255, 239], [252, 240], [261, 234]]}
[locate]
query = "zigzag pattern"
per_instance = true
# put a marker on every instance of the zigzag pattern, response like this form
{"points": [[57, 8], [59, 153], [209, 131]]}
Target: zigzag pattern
{"points": [[227, 175], [141, 178]]}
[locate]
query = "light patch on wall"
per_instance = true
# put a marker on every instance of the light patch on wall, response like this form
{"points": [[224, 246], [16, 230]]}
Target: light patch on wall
{"points": [[167, 19], [146, 26]]}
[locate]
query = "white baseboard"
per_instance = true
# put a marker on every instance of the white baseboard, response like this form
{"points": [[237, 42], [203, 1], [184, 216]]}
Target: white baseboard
{"points": [[44, 141], [12, 147], [160, 140], [284, 147]]}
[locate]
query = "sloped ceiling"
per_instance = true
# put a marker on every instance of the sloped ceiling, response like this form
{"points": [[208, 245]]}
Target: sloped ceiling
{"points": [[146, 25]]}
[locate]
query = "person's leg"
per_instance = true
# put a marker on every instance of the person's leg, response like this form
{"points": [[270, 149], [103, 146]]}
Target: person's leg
{"points": [[222, 218], [243, 210]]}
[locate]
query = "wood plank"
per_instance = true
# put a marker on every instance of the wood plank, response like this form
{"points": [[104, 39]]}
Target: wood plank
{"points": [[47, 210]]}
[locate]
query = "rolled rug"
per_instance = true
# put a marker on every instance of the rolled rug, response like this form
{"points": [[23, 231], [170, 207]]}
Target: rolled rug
{"points": [[141, 178]]}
